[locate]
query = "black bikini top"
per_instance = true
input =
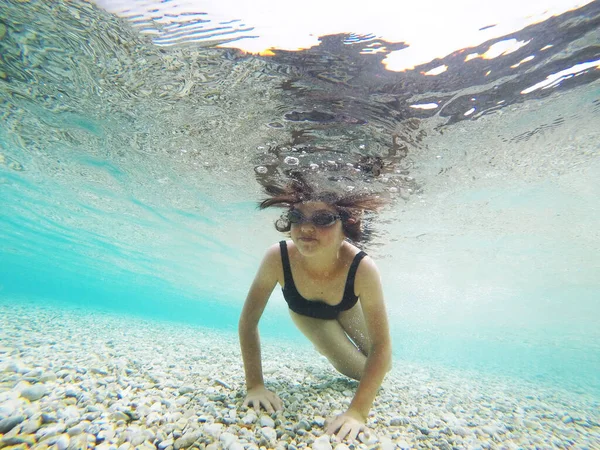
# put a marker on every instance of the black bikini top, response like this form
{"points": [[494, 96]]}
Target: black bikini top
{"points": [[317, 308]]}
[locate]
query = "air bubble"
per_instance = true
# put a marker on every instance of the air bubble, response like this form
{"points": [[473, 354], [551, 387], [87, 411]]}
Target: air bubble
{"points": [[260, 169], [291, 160], [313, 166], [393, 189]]}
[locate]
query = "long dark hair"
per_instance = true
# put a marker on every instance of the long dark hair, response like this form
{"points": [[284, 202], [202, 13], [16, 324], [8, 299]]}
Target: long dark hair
{"points": [[348, 205]]}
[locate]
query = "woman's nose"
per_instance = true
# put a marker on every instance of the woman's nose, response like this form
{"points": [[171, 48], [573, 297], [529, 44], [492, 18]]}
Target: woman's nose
{"points": [[307, 226]]}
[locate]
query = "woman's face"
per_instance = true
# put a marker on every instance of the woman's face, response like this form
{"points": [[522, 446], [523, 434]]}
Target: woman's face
{"points": [[310, 238]]}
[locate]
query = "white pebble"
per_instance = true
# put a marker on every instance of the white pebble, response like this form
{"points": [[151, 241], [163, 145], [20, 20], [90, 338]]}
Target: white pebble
{"points": [[9, 407], [269, 433], [34, 392], [459, 431], [531, 424], [156, 407], [266, 421], [165, 444], [181, 401], [490, 430], [249, 418], [63, 442], [104, 446], [213, 429], [227, 439], [367, 438], [186, 390], [187, 439], [137, 438], [322, 443], [47, 376], [403, 445], [386, 443]]}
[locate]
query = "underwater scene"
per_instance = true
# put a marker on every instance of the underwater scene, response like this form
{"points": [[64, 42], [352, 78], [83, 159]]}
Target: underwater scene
{"points": [[137, 140]]}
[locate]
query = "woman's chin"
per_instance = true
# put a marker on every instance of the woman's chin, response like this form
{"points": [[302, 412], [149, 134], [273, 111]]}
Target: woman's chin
{"points": [[306, 245]]}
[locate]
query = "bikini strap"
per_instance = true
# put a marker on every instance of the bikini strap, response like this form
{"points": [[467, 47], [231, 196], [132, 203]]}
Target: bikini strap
{"points": [[285, 261], [349, 290]]}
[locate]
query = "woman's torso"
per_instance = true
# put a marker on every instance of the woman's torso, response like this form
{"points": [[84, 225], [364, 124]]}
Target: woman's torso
{"points": [[325, 293]]}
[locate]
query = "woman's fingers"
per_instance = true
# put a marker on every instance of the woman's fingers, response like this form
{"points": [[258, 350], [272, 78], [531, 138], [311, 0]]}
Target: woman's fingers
{"points": [[353, 434], [344, 427], [276, 402], [345, 430], [267, 405], [266, 399], [332, 425]]}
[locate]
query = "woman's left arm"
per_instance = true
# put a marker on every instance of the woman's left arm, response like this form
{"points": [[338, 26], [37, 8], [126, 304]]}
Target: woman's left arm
{"points": [[368, 288]]}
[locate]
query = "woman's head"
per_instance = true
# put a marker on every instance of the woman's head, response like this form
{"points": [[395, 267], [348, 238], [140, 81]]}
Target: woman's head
{"points": [[323, 209]]}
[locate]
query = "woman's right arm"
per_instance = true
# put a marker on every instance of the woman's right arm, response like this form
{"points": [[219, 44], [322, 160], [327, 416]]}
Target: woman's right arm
{"points": [[256, 301]]}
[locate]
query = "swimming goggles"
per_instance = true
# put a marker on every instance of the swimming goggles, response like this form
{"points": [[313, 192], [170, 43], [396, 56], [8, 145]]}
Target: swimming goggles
{"points": [[321, 219]]}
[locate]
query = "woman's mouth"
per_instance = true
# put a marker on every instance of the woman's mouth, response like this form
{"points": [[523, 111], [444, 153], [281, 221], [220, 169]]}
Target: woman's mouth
{"points": [[307, 239]]}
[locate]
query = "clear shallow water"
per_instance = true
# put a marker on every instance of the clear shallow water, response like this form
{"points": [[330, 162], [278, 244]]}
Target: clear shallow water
{"points": [[129, 176]]}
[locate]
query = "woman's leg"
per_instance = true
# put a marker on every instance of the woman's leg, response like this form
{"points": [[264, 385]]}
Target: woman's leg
{"points": [[353, 323], [331, 339]]}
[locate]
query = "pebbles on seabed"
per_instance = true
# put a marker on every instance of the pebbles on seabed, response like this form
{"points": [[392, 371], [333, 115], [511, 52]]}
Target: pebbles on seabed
{"points": [[128, 384]]}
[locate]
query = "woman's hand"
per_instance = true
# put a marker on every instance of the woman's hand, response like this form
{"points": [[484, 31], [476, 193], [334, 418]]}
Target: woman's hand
{"points": [[260, 396], [348, 424]]}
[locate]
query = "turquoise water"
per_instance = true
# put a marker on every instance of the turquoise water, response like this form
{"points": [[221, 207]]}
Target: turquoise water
{"points": [[125, 189]]}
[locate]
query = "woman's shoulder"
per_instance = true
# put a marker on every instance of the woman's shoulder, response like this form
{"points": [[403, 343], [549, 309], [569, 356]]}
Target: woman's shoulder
{"points": [[367, 266], [271, 262], [351, 250], [274, 251]]}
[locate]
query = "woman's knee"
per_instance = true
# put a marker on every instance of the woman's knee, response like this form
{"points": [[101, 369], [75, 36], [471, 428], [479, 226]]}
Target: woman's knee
{"points": [[355, 373], [356, 370]]}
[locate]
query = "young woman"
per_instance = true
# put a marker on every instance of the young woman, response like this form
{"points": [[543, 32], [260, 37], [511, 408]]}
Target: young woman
{"points": [[334, 295]]}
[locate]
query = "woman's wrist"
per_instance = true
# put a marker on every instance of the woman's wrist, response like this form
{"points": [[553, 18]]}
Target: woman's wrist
{"points": [[250, 386], [357, 413]]}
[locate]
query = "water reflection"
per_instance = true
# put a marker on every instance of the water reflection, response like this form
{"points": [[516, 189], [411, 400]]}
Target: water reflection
{"points": [[111, 145]]}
